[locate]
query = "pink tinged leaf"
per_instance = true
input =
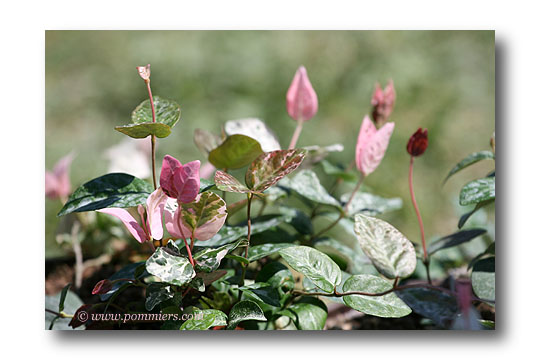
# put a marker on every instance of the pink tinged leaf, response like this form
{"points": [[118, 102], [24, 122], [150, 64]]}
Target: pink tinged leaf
{"points": [[302, 103], [61, 173], [129, 222], [187, 182], [367, 130], [155, 205], [270, 167], [171, 221], [144, 72], [226, 182], [207, 170], [51, 185], [373, 153], [170, 165], [202, 218]]}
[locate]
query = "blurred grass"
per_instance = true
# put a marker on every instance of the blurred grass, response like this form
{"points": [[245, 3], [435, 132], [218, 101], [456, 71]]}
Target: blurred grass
{"points": [[445, 81]]}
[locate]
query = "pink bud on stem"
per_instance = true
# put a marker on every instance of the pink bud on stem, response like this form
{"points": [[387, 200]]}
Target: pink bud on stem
{"points": [[302, 103]]}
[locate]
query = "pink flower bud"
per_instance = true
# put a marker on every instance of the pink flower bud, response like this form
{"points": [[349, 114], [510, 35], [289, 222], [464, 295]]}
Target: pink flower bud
{"points": [[302, 101], [371, 145], [383, 103], [102, 287], [144, 72], [180, 181], [57, 184]]}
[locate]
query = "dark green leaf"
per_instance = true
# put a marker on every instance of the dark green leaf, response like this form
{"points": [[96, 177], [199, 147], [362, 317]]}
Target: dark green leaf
{"points": [[469, 160], [263, 292], [388, 306], [207, 185], [112, 190], [277, 275], [245, 310], [389, 250], [477, 191], [170, 268], [454, 239], [235, 152], [440, 307], [463, 219], [483, 278], [315, 265], [131, 271], [63, 297], [259, 251]]}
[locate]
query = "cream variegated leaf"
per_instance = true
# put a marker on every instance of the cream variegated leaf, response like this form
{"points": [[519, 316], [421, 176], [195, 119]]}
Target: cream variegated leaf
{"points": [[169, 267], [388, 249], [229, 183]]}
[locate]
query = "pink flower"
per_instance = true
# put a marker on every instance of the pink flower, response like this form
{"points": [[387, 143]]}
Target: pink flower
{"points": [[383, 103], [151, 226], [302, 101], [180, 181], [57, 184], [371, 145]]}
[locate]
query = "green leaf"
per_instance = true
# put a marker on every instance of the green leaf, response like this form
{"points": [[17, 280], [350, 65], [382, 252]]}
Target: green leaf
{"points": [[483, 278], [156, 293], [269, 168], [131, 271], [112, 190], [205, 319], [333, 170], [245, 310], [63, 297], [435, 305], [369, 204], [235, 152], [140, 131], [316, 153], [357, 262], [307, 314], [263, 292], [255, 129], [454, 239], [206, 185], [202, 218], [315, 265], [170, 268], [71, 303], [307, 184], [477, 191], [463, 219], [167, 112], [208, 260], [387, 306], [206, 141], [388, 249], [260, 251], [229, 183], [277, 275], [469, 160]]}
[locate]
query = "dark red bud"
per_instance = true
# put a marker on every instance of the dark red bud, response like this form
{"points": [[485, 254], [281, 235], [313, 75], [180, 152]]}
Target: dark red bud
{"points": [[102, 287], [81, 316], [418, 142]]}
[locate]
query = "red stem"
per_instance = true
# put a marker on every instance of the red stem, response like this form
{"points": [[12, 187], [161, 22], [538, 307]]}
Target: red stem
{"points": [[153, 137], [189, 253], [413, 198]]}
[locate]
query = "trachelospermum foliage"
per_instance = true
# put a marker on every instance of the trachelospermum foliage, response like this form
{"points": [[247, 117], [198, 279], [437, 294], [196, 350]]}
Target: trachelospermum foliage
{"points": [[282, 246]]}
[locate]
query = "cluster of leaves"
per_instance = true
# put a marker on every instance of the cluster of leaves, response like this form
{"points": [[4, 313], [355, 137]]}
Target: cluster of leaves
{"points": [[272, 270]]}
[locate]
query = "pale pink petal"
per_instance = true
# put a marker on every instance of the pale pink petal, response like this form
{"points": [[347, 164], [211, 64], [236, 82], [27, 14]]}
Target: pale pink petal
{"points": [[51, 185], [171, 217], [129, 221], [187, 181], [61, 172], [207, 170], [170, 165], [367, 130], [302, 103], [374, 152], [154, 209]]}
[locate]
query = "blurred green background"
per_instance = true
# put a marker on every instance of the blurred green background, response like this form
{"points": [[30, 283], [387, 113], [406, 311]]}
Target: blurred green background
{"points": [[444, 80]]}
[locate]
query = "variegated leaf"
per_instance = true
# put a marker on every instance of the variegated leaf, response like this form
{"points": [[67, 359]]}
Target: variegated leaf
{"points": [[388, 249], [477, 191], [170, 268], [202, 218], [271, 167], [208, 259], [226, 182]]}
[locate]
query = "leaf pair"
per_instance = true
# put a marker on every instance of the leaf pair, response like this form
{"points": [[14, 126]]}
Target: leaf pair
{"points": [[142, 125], [264, 172]]}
